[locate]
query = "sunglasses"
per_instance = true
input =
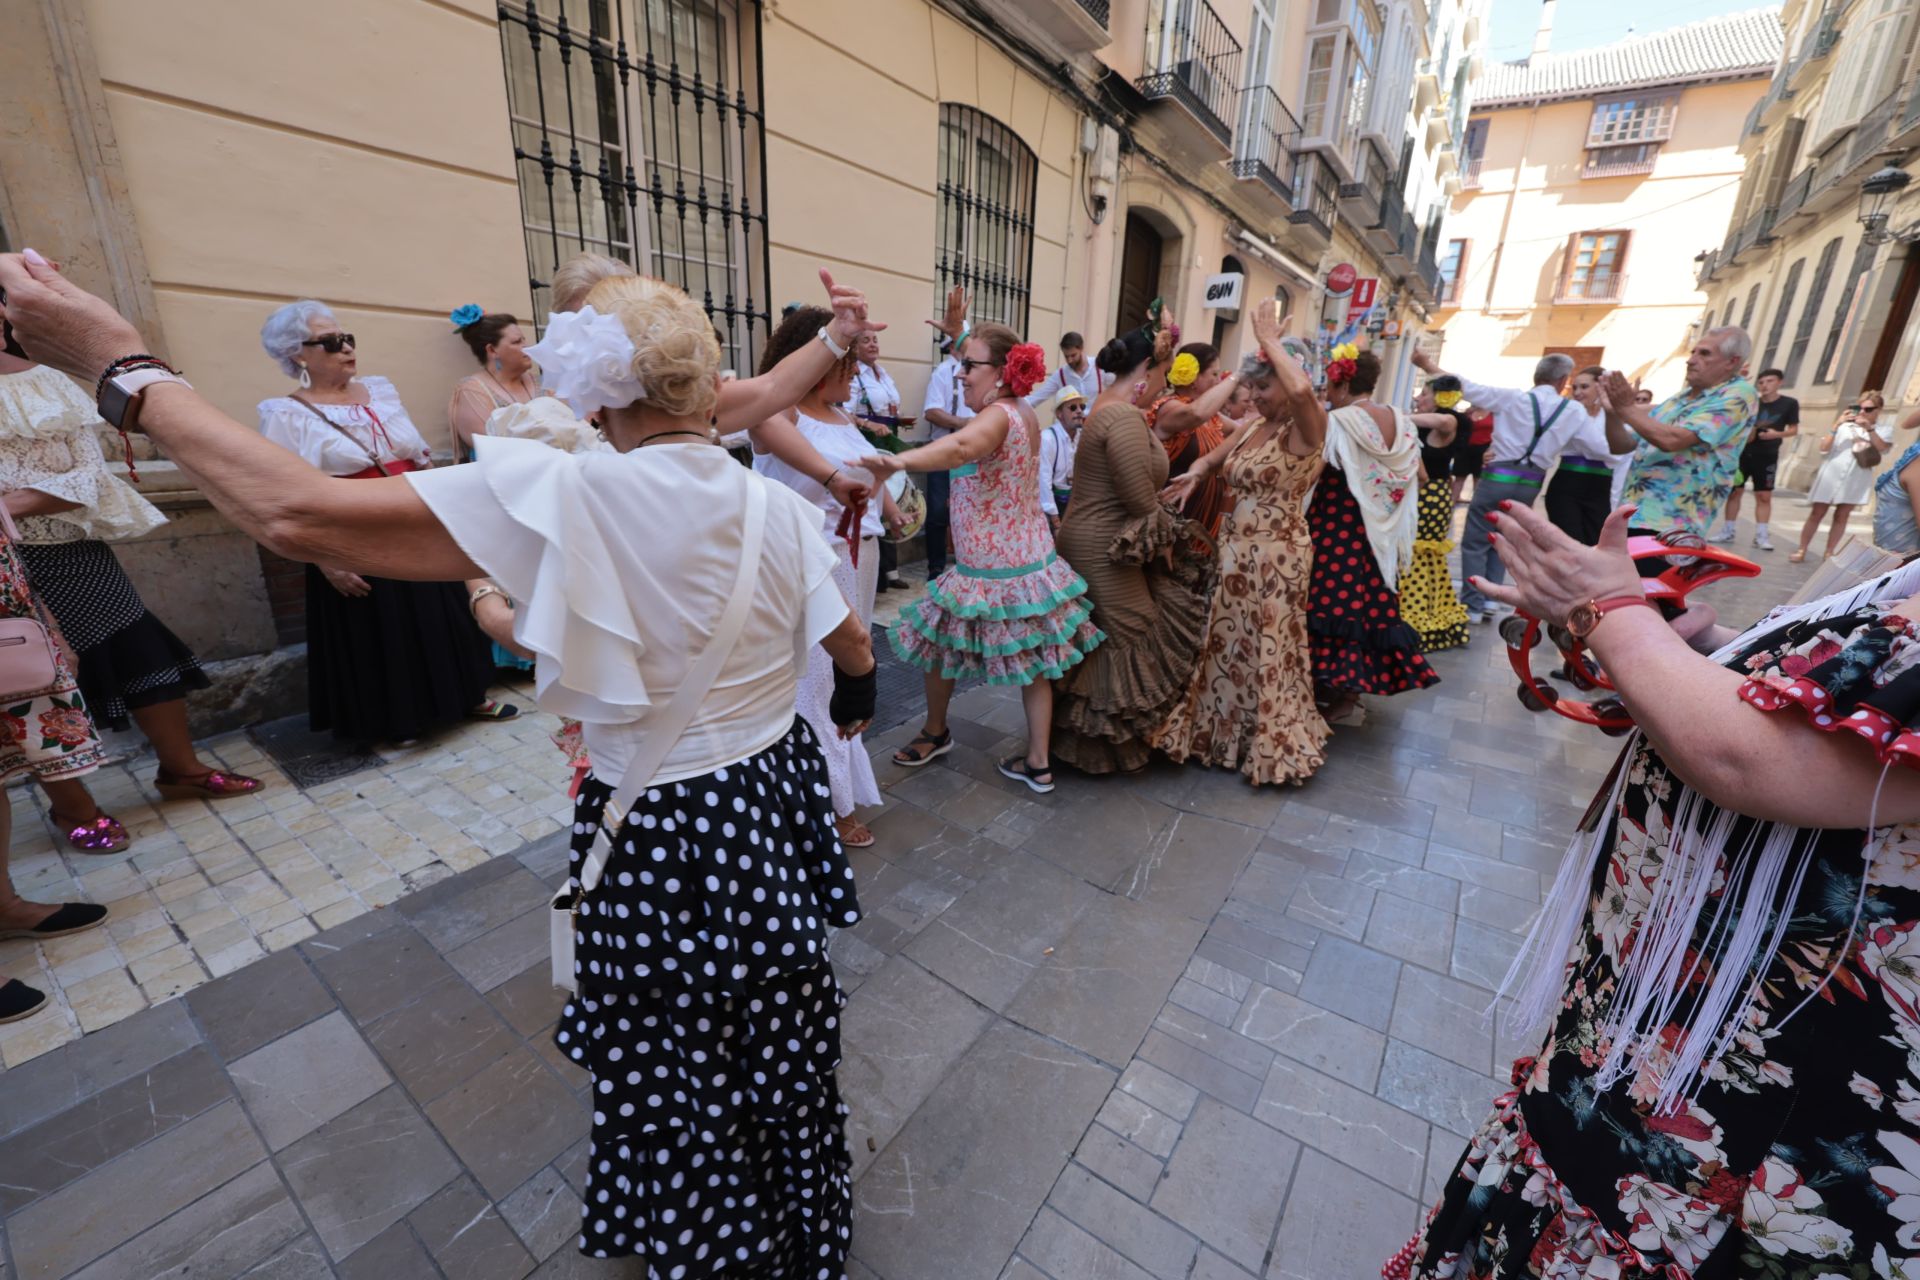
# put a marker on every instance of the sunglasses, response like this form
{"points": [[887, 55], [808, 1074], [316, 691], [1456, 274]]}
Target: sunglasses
{"points": [[332, 343], [968, 366]]}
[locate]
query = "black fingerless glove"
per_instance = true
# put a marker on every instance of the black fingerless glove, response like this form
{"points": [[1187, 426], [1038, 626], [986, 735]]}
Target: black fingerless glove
{"points": [[853, 697]]}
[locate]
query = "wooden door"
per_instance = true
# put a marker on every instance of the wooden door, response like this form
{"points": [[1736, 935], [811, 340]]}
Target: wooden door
{"points": [[1896, 326], [1139, 273]]}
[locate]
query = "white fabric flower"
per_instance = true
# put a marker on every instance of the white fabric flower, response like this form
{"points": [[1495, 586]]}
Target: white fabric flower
{"points": [[1901, 1184], [586, 359]]}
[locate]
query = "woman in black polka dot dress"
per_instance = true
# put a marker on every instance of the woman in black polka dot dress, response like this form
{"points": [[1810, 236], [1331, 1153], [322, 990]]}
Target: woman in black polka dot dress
{"points": [[1359, 642]]}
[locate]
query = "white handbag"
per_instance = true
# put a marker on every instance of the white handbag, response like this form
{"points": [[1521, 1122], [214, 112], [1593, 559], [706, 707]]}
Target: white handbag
{"points": [[666, 731]]}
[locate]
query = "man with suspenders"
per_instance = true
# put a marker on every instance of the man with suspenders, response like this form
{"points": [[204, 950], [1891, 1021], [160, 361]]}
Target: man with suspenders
{"points": [[1531, 429]]}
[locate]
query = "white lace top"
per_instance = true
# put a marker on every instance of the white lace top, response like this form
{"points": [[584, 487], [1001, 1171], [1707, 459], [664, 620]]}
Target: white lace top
{"points": [[48, 443], [361, 433]]}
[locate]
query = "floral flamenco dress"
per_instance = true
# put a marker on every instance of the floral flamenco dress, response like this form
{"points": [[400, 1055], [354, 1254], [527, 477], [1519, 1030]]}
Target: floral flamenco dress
{"points": [[1716, 1100], [1008, 611]]}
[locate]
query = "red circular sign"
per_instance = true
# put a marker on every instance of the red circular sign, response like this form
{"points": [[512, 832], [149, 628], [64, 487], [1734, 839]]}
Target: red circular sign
{"points": [[1340, 279]]}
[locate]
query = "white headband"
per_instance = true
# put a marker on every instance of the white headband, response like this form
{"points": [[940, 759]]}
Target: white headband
{"points": [[586, 359]]}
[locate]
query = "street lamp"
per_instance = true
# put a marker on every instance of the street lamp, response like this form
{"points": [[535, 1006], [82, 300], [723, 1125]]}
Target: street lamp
{"points": [[1876, 191]]}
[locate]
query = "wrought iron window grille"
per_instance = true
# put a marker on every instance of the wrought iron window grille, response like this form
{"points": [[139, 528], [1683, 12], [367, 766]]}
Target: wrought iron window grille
{"points": [[983, 224]]}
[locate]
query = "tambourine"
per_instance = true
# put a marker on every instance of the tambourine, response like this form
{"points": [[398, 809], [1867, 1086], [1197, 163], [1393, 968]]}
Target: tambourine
{"points": [[912, 503], [1691, 564]]}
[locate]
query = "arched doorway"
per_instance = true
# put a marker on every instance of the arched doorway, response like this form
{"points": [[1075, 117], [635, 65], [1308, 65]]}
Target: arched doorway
{"points": [[1140, 263]]}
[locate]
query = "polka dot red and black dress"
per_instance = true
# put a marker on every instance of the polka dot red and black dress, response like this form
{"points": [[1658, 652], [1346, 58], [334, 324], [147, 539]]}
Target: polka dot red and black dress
{"points": [[1359, 641]]}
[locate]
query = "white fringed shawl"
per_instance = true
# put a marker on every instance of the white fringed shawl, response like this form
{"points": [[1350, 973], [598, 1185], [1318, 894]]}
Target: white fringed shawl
{"points": [[1742, 937], [1384, 479]]}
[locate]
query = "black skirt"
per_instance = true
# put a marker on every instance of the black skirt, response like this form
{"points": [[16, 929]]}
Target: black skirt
{"points": [[709, 1020], [394, 664], [128, 657], [1578, 503]]}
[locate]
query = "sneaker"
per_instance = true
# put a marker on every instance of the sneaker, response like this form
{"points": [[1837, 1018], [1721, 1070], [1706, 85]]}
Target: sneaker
{"points": [[1724, 536], [1763, 542]]}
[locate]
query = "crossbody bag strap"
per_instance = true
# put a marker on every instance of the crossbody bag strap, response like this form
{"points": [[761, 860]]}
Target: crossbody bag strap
{"points": [[314, 409], [686, 700]]}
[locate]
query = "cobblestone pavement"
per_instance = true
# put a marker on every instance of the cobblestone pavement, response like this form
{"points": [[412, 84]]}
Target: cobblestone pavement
{"points": [[1167, 1026]]}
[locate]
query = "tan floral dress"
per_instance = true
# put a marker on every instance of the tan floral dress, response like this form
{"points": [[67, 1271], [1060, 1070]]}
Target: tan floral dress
{"points": [[1249, 704]]}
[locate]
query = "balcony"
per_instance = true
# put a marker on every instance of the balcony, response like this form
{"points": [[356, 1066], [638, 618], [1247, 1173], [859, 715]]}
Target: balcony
{"points": [[1820, 42], [1372, 171], [1875, 127], [1426, 85], [1620, 162], [1605, 289], [1708, 268], [1199, 65], [1795, 195], [1384, 234], [1907, 130], [1268, 132], [1470, 172], [1316, 195], [1071, 27], [1404, 256]]}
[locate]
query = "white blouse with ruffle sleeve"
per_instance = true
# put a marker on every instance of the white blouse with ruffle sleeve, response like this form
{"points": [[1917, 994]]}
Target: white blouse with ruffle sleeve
{"points": [[48, 443], [379, 430], [621, 564]]}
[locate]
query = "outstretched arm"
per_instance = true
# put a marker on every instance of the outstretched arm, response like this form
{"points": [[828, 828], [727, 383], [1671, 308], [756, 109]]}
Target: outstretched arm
{"points": [[746, 402], [980, 436]]}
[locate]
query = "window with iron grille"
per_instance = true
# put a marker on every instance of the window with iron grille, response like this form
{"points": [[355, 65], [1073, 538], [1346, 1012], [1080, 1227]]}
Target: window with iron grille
{"points": [[1451, 265], [1746, 315], [638, 132], [1863, 256], [1785, 305], [983, 225], [1816, 294]]}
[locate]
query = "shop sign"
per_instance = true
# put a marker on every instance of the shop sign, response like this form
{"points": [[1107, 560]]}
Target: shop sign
{"points": [[1341, 279], [1223, 291]]}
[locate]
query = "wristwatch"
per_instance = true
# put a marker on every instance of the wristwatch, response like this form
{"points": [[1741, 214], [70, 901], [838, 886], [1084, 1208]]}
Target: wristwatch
{"points": [[121, 394], [1585, 617]]}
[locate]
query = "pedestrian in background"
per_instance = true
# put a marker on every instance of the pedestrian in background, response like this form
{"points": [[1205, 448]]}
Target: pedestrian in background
{"points": [[874, 402], [1777, 419], [1074, 372], [1056, 451], [1845, 480], [946, 411], [1428, 600], [506, 376], [1186, 419], [1687, 448], [1579, 497]]}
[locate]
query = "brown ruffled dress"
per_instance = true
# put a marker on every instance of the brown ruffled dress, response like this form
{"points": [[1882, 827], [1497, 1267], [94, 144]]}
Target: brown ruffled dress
{"points": [[1116, 536]]}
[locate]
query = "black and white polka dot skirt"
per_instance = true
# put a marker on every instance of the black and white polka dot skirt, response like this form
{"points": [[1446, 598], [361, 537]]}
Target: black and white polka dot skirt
{"points": [[709, 1020]]}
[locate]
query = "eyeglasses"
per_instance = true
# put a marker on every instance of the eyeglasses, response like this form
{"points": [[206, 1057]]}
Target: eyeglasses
{"points": [[332, 343], [968, 366]]}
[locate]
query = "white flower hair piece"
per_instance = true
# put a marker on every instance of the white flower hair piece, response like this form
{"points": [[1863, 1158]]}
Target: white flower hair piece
{"points": [[586, 359]]}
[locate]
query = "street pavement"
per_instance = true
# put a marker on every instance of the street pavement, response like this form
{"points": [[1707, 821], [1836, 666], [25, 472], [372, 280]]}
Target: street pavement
{"points": [[1164, 1026]]}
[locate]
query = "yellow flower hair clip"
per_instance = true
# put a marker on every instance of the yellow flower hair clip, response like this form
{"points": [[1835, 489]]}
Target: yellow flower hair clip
{"points": [[1345, 351], [1446, 399], [1185, 369]]}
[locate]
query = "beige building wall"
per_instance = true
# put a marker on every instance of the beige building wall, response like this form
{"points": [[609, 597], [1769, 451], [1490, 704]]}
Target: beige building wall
{"points": [[359, 155], [1533, 200]]}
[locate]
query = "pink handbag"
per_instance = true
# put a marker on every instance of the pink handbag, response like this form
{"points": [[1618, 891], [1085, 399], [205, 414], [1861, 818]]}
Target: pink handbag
{"points": [[29, 659]]}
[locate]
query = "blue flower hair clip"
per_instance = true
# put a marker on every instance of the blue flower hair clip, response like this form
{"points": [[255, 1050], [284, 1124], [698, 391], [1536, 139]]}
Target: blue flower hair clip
{"points": [[464, 316]]}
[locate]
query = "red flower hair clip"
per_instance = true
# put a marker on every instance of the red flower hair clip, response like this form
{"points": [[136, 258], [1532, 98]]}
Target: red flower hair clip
{"points": [[1025, 366]]}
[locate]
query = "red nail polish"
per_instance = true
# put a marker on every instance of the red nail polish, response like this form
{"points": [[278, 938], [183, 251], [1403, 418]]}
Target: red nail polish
{"points": [[1506, 504]]}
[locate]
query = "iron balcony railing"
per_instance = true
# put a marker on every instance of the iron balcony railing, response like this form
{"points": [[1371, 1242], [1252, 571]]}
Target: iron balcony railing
{"points": [[1430, 265], [1709, 264], [1620, 162], [1601, 287], [1096, 9], [1268, 132], [1911, 116], [1470, 172], [1371, 171], [1795, 195], [1393, 213], [1315, 194], [1199, 64], [1871, 134]]}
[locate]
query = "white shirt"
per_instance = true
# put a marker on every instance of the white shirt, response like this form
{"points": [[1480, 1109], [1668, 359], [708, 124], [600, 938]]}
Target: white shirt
{"points": [[840, 443], [362, 433], [873, 393], [1090, 384], [622, 564], [944, 392], [1056, 464], [1513, 421]]}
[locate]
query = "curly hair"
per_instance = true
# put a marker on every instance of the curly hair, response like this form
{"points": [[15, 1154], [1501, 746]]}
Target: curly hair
{"points": [[675, 355], [575, 277], [287, 328], [1365, 376]]}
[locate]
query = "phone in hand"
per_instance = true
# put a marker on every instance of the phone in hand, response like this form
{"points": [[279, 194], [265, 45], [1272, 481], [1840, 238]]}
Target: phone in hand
{"points": [[10, 343]]}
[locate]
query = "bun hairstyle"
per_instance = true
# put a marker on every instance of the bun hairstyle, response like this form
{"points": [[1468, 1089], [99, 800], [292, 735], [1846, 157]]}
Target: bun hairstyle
{"points": [[1365, 376], [675, 355], [800, 326], [1125, 353], [485, 332]]}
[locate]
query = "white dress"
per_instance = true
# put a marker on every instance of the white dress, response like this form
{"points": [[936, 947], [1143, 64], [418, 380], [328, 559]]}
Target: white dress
{"points": [[848, 767], [1841, 481]]}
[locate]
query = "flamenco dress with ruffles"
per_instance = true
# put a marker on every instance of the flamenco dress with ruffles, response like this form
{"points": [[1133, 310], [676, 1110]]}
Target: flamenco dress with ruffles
{"points": [[1149, 582], [1008, 611], [1428, 601], [1796, 1155]]}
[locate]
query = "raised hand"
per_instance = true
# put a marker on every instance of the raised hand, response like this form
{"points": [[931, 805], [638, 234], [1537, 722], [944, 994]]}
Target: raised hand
{"points": [[955, 317], [1424, 362], [1268, 324], [60, 324], [1550, 572], [849, 311], [1619, 392]]}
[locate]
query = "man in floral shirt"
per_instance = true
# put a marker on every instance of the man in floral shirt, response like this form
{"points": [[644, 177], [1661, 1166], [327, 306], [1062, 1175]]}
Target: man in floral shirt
{"points": [[1689, 445]]}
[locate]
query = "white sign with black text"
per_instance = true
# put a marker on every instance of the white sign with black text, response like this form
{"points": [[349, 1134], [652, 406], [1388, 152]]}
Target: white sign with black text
{"points": [[1223, 291]]}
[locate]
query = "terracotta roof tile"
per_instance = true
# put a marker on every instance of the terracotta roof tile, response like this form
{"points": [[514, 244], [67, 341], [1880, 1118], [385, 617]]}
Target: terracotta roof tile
{"points": [[1746, 43]]}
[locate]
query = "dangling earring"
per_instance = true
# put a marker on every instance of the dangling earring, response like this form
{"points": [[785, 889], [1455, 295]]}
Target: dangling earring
{"points": [[496, 364], [306, 379]]}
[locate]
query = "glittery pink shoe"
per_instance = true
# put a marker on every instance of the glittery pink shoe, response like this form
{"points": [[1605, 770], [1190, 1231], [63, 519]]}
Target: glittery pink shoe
{"points": [[103, 835], [215, 784]]}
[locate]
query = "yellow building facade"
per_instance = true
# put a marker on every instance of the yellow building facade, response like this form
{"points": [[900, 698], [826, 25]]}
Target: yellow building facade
{"points": [[1067, 160], [1593, 179]]}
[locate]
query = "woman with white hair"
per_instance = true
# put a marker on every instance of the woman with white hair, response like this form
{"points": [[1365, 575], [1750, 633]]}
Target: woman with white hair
{"points": [[670, 595], [387, 660]]}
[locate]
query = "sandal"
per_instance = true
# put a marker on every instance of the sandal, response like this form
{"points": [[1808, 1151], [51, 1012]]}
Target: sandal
{"points": [[214, 784], [937, 745], [494, 709], [18, 1000], [1017, 768], [854, 834], [69, 917], [1798, 557], [103, 835]]}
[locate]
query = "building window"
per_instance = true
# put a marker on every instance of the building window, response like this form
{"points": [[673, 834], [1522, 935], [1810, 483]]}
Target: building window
{"points": [[1785, 305], [1616, 162], [1816, 294], [983, 225], [638, 133], [1319, 83], [1746, 314], [1863, 257], [1594, 267], [1472, 151], [1452, 264], [1624, 134]]}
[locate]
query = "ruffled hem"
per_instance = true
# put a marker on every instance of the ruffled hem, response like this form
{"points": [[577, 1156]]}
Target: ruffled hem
{"points": [[1892, 741], [1104, 717], [1040, 635], [1268, 755], [1140, 540], [1353, 657], [1003, 630], [1051, 658], [1036, 593], [1451, 635]]}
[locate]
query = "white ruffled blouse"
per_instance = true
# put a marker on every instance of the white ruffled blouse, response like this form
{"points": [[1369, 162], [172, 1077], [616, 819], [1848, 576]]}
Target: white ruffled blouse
{"points": [[622, 564], [360, 434], [48, 443]]}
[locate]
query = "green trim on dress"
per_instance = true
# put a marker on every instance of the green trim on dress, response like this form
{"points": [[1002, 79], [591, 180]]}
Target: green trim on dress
{"points": [[1008, 612], [1020, 679], [910, 617], [1016, 571]]}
